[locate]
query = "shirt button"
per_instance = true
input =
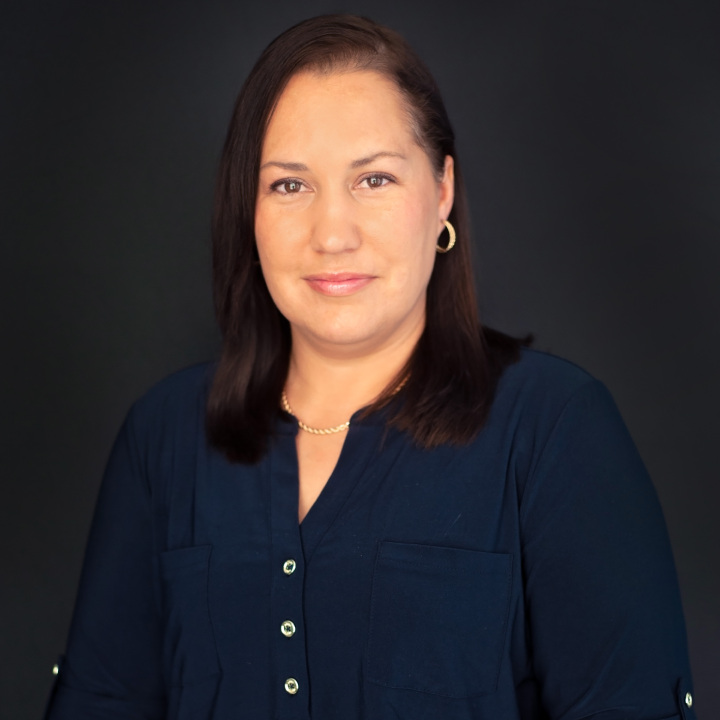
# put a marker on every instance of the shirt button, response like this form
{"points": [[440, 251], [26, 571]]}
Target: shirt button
{"points": [[688, 699], [56, 669], [289, 567], [288, 628], [291, 686]]}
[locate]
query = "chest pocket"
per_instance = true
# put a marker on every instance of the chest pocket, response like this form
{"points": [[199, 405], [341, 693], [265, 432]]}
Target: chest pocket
{"points": [[190, 655], [438, 619]]}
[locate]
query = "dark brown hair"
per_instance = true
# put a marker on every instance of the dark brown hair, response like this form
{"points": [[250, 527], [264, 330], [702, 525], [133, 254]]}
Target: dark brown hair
{"points": [[452, 373]]}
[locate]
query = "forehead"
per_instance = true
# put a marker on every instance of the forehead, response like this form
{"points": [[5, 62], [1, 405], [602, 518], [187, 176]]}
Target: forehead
{"points": [[340, 84], [341, 105]]}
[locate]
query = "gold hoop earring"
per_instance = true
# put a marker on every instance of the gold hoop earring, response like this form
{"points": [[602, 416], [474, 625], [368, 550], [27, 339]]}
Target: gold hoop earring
{"points": [[452, 237]]}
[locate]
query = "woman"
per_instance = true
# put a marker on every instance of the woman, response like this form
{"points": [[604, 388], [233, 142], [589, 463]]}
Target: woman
{"points": [[370, 508]]}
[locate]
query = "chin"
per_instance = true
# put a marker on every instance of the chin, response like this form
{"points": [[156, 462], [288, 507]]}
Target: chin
{"points": [[347, 338], [345, 335]]}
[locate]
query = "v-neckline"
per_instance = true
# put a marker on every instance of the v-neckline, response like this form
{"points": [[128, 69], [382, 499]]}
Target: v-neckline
{"points": [[358, 450]]}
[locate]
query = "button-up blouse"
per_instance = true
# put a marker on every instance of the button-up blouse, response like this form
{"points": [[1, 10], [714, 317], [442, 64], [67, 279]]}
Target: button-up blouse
{"points": [[524, 576]]}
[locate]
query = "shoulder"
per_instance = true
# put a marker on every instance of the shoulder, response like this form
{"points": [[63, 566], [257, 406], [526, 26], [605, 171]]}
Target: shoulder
{"points": [[162, 431], [565, 440], [180, 386], [174, 405], [542, 395], [542, 380], [538, 371]]}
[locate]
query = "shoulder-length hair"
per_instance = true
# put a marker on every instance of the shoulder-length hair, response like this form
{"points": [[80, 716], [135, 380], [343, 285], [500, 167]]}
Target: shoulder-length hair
{"points": [[449, 379]]}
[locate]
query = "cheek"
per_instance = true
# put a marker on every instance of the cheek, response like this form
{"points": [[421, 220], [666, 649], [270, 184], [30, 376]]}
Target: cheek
{"points": [[265, 230], [274, 236], [416, 226], [271, 256], [414, 257]]}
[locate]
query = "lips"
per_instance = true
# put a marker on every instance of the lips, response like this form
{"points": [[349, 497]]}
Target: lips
{"points": [[338, 284]]}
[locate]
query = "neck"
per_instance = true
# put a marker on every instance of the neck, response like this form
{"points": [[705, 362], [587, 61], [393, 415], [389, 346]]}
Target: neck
{"points": [[325, 389]]}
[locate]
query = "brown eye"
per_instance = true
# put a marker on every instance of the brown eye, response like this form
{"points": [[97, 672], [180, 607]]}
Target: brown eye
{"points": [[376, 181], [287, 187]]}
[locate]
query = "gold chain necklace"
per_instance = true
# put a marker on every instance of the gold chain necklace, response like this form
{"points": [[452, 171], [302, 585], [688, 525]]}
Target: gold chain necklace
{"points": [[315, 431]]}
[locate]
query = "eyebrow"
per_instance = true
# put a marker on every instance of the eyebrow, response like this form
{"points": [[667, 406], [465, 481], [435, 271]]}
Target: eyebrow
{"points": [[301, 167], [371, 158], [295, 167]]}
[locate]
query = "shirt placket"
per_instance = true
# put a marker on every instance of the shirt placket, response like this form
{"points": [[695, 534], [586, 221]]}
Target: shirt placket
{"points": [[287, 631]]}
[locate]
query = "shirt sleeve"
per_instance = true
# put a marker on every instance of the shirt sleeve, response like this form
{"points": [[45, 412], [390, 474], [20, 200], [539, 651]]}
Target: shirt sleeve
{"points": [[113, 668], [606, 624]]}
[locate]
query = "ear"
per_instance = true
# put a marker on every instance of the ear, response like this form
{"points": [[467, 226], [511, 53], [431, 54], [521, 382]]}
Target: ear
{"points": [[446, 187]]}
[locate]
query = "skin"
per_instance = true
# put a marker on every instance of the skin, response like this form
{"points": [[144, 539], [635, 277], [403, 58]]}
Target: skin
{"points": [[348, 213]]}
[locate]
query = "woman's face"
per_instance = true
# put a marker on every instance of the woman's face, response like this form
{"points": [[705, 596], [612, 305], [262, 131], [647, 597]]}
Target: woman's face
{"points": [[348, 213]]}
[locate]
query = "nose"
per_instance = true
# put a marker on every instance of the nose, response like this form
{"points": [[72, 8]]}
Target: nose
{"points": [[335, 223]]}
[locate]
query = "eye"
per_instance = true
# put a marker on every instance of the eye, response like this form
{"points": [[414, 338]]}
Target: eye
{"points": [[287, 186], [376, 181]]}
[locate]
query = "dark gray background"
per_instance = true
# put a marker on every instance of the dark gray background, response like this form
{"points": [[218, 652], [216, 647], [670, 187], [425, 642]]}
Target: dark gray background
{"points": [[590, 135]]}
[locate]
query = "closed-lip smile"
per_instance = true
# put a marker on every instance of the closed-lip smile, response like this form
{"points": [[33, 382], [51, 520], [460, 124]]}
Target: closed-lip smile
{"points": [[338, 284]]}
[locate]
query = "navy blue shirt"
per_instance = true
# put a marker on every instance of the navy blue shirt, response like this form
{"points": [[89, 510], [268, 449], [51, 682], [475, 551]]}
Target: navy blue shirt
{"points": [[526, 575]]}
